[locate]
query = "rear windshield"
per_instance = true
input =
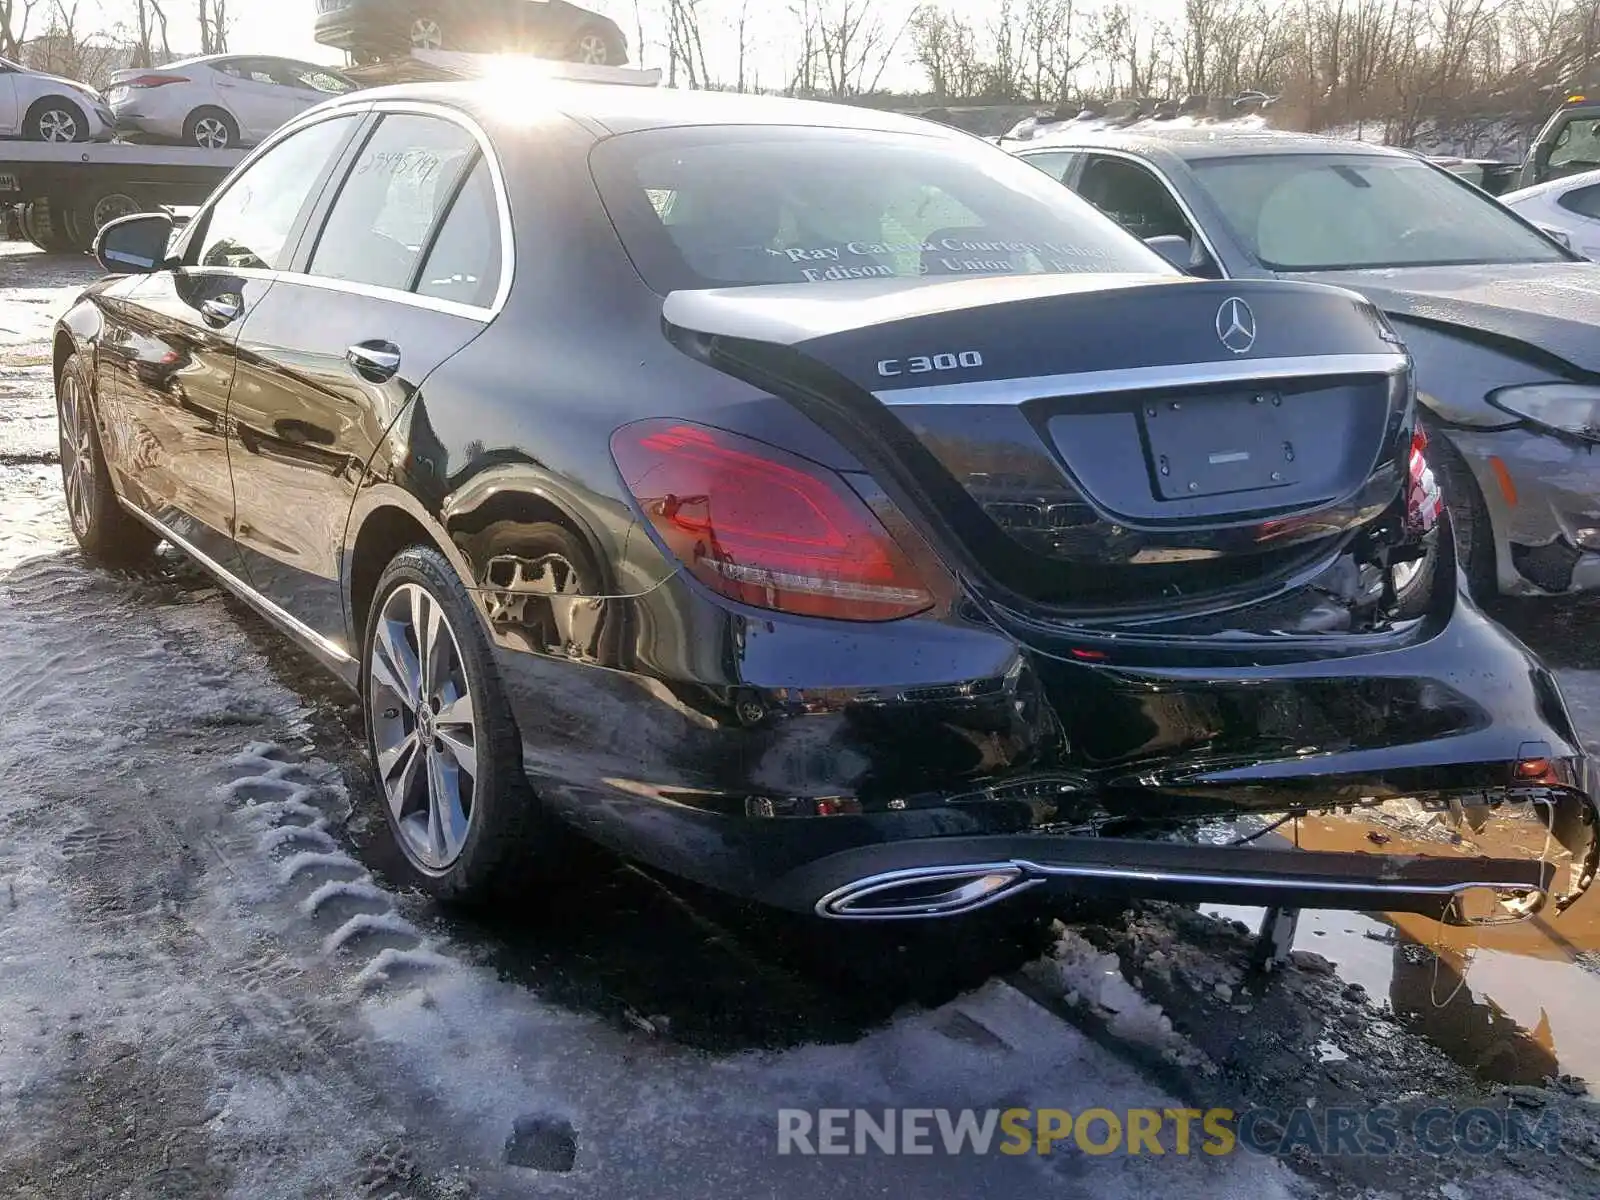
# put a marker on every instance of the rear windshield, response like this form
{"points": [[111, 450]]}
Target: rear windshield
{"points": [[1310, 212], [729, 206]]}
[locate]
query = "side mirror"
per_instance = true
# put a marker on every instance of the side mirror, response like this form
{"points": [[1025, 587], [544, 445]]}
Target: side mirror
{"points": [[135, 245], [1171, 247]]}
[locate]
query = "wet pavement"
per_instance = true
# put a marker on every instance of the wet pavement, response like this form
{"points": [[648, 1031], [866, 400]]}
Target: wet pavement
{"points": [[189, 847]]}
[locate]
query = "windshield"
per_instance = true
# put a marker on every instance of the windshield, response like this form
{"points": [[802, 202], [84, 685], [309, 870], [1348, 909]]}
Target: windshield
{"points": [[718, 207], [1324, 212]]}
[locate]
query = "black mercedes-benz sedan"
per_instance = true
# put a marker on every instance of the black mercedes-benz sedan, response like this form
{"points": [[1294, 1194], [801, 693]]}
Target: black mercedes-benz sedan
{"points": [[820, 504]]}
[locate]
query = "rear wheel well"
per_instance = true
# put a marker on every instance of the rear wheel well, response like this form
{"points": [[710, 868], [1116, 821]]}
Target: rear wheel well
{"points": [[63, 351], [389, 529], [524, 508], [384, 533]]}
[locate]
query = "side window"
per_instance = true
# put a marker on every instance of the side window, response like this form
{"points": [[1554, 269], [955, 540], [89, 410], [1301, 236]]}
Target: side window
{"points": [[390, 201], [1577, 147], [1584, 201], [1053, 164], [256, 71], [314, 79], [464, 263], [1132, 196], [250, 223]]}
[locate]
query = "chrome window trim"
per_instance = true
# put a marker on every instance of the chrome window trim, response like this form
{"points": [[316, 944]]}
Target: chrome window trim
{"points": [[1138, 379], [421, 108], [334, 652], [502, 197], [1161, 178]]}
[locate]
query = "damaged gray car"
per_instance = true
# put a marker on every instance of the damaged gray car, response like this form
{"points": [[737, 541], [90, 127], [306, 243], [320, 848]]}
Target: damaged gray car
{"points": [[1503, 322]]}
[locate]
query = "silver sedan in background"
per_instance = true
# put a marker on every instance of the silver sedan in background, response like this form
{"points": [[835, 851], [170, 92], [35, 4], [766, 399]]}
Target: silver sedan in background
{"points": [[220, 101]]}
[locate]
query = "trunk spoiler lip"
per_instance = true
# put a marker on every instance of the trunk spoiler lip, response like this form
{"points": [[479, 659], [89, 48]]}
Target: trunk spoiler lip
{"points": [[787, 314]]}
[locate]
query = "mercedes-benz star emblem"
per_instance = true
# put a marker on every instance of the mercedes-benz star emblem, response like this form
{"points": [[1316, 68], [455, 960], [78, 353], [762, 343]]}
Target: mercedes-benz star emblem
{"points": [[1236, 325]]}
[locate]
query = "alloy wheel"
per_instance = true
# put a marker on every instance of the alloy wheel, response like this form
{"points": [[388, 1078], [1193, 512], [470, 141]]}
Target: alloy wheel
{"points": [[58, 125], [592, 49], [211, 133], [109, 207], [424, 730], [77, 454], [426, 34]]}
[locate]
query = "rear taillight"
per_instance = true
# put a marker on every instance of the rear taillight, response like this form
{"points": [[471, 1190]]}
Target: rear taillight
{"points": [[1424, 501], [153, 81], [765, 527]]}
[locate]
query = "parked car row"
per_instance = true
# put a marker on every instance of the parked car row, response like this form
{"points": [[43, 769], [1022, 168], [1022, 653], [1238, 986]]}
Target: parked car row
{"points": [[221, 101]]}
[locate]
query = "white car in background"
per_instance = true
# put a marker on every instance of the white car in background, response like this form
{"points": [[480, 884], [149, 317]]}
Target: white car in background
{"points": [[1568, 209], [48, 108], [220, 101]]}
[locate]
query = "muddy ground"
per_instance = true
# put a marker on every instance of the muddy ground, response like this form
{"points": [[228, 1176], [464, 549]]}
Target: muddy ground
{"points": [[208, 987]]}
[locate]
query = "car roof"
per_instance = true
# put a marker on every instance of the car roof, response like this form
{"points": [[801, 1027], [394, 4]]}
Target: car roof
{"points": [[1190, 143], [613, 108]]}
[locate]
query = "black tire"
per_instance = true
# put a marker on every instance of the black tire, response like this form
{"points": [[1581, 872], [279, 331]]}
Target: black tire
{"points": [[1469, 515], [86, 216], [52, 117], [25, 222], [210, 129], [108, 533], [46, 225], [509, 841], [595, 45]]}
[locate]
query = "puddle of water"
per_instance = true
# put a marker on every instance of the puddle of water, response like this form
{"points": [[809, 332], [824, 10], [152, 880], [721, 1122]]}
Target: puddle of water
{"points": [[1513, 1003]]}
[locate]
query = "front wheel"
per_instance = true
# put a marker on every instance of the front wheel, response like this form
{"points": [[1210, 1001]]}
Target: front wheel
{"points": [[447, 758], [55, 119], [427, 33], [595, 47], [106, 531]]}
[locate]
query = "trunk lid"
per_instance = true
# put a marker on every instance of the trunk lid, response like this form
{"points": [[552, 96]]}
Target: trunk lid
{"points": [[1095, 441]]}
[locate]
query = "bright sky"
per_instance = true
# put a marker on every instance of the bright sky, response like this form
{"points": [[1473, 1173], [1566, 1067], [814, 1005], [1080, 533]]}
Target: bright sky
{"points": [[285, 27]]}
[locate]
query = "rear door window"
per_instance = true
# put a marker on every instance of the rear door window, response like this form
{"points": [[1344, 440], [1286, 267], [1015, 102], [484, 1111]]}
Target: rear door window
{"points": [[389, 203], [718, 206], [1584, 201], [1577, 147], [1133, 197], [1054, 163], [464, 262]]}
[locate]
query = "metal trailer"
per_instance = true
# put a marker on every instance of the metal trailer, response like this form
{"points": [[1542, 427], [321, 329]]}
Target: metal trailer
{"points": [[433, 66], [60, 193]]}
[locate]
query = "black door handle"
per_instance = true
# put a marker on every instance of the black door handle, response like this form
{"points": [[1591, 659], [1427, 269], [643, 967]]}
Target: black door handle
{"points": [[374, 360]]}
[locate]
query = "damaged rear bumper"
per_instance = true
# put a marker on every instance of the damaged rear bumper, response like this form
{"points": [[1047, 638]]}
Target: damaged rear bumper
{"points": [[1472, 859], [953, 876]]}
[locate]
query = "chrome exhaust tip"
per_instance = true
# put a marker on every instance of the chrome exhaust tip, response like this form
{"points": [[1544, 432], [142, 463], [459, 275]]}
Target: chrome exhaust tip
{"points": [[923, 892]]}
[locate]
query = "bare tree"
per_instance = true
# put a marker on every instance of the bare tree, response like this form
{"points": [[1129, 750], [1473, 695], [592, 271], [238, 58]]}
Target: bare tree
{"points": [[685, 45], [213, 17], [943, 45], [849, 45], [150, 30], [14, 16]]}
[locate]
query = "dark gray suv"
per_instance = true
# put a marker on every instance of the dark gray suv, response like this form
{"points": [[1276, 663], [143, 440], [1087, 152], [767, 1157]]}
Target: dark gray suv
{"points": [[370, 30]]}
